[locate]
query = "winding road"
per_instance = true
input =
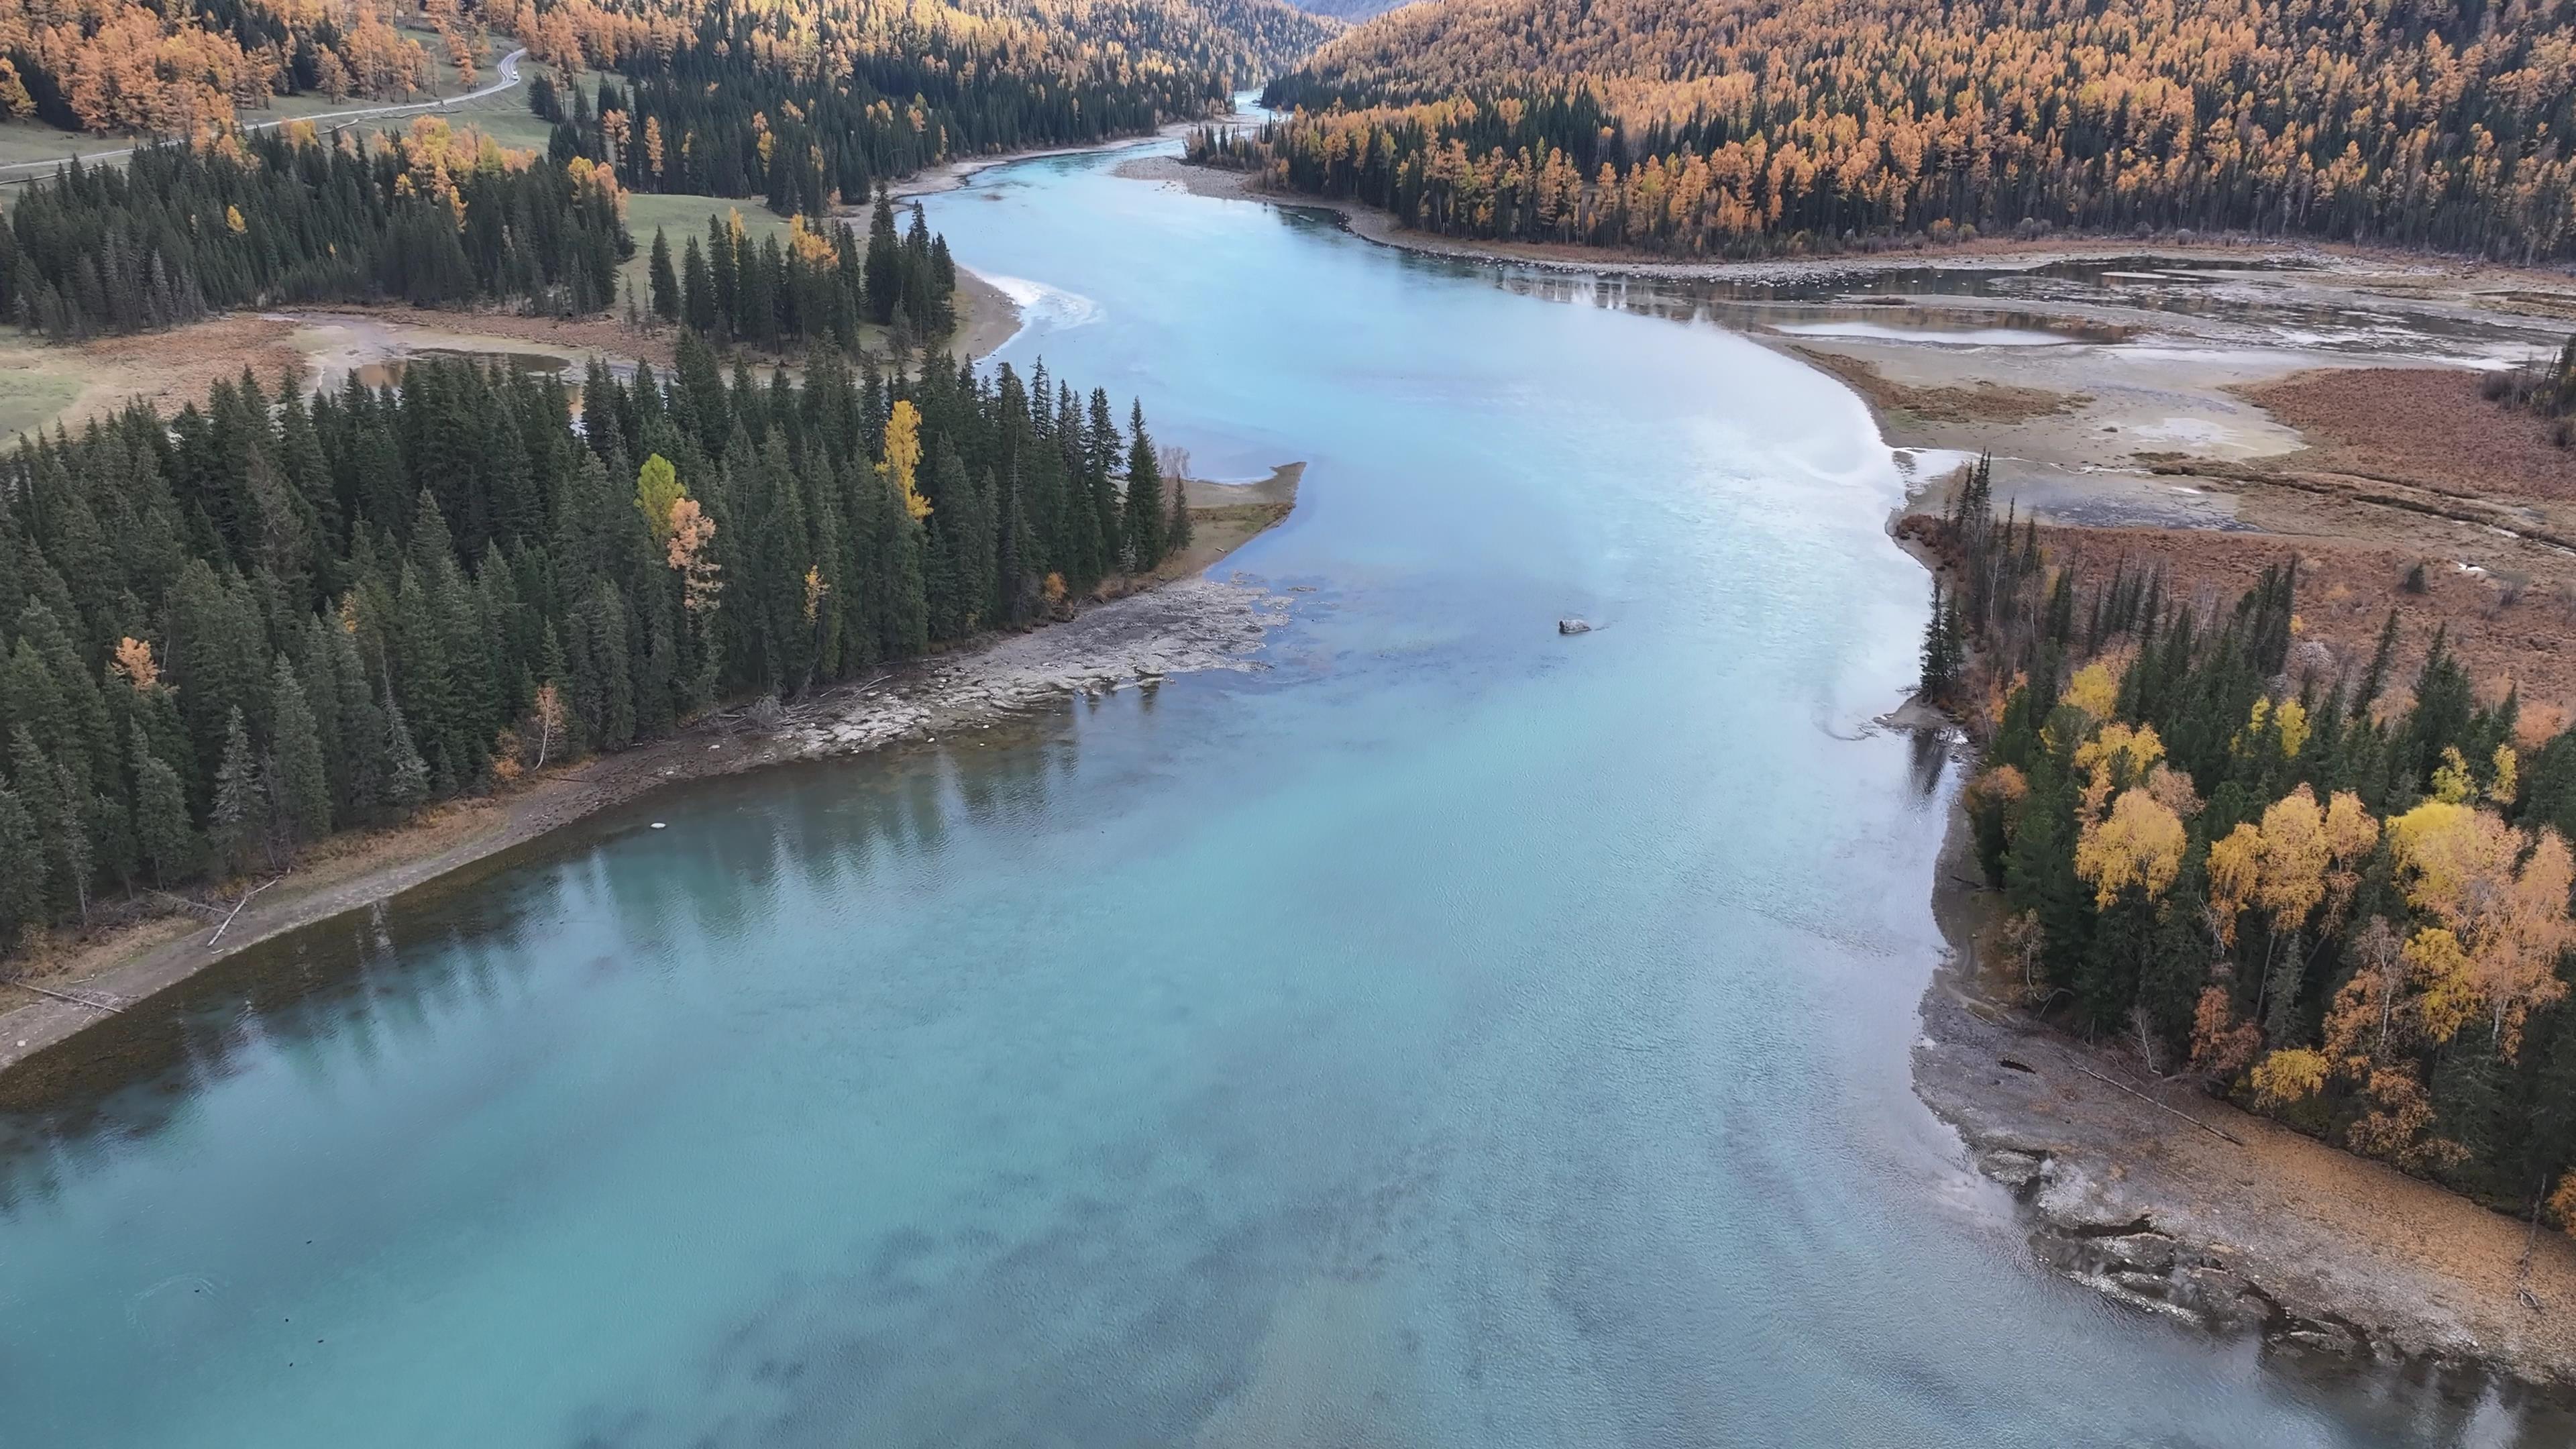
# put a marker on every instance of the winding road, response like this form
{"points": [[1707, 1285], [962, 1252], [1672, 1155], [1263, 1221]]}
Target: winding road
{"points": [[508, 77]]}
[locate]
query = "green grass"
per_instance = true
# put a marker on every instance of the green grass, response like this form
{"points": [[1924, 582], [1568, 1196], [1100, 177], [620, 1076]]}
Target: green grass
{"points": [[31, 398], [685, 217], [503, 116]]}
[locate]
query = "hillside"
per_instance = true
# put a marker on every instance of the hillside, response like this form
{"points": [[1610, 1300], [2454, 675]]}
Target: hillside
{"points": [[112, 66], [1352, 11], [1737, 128]]}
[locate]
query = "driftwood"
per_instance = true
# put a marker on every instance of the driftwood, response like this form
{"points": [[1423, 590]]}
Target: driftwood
{"points": [[2217, 1132], [237, 907], [66, 996], [185, 904]]}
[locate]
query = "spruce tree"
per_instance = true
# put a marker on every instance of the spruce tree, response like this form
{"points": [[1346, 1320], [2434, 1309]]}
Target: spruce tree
{"points": [[405, 773], [664, 282], [240, 818], [161, 828], [1176, 533], [1144, 504], [301, 793], [39, 785], [22, 871]]}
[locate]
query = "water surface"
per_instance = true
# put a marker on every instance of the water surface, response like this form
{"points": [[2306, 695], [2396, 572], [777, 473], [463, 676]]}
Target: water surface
{"points": [[1454, 1034]]}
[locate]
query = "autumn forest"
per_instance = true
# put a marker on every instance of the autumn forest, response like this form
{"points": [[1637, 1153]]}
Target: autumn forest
{"points": [[2340, 898], [1734, 129]]}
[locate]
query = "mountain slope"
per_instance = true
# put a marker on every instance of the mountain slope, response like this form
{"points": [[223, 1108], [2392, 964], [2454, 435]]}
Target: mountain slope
{"points": [[1735, 126]]}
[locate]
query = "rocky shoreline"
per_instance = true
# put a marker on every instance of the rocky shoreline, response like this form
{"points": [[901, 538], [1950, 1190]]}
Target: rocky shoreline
{"points": [[2163, 1198]]}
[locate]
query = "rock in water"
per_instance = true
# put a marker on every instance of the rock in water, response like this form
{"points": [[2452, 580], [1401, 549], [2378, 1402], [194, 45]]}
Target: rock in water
{"points": [[1572, 626]]}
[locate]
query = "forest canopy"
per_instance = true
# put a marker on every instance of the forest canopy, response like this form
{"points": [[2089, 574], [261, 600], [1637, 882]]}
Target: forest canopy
{"points": [[1725, 127], [433, 216], [2340, 896], [227, 633], [980, 68]]}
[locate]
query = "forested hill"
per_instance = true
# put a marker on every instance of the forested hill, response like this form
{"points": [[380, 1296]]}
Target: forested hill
{"points": [[1732, 127], [228, 633], [797, 103], [985, 66], [955, 44], [1352, 11]]}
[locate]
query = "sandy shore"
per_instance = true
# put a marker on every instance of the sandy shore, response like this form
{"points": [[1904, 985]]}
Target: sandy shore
{"points": [[1183, 621]]}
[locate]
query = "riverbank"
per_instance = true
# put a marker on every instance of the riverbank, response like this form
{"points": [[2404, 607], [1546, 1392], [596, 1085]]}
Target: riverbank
{"points": [[2213, 444], [2161, 1197], [1984, 255], [1180, 621]]}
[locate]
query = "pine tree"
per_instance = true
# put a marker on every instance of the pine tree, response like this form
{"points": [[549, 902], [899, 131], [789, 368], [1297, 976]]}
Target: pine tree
{"points": [[405, 773], [697, 289], [161, 826], [1940, 649], [22, 871], [240, 818], [39, 785], [1144, 505], [664, 282], [301, 793], [1176, 533], [884, 267]]}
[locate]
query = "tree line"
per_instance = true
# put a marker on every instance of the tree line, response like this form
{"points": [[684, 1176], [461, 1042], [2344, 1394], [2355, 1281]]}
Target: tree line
{"points": [[433, 215], [232, 631], [2336, 899], [179, 70], [820, 286], [963, 75], [1817, 125], [2543, 386]]}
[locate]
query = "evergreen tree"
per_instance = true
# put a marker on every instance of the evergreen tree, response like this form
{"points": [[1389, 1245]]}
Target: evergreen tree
{"points": [[300, 793], [1144, 500], [1176, 533], [161, 827], [240, 819], [665, 282]]}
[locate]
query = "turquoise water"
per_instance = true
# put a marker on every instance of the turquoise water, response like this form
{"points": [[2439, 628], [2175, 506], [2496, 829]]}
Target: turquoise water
{"points": [[1454, 1034]]}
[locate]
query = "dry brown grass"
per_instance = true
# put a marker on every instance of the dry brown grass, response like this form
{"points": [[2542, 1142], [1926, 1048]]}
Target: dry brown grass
{"points": [[576, 337], [1978, 402], [2507, 635], [2429, 427], [165, 369]]}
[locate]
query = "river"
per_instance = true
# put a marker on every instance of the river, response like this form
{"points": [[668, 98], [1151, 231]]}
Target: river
{"points": [[1453, 1034]]}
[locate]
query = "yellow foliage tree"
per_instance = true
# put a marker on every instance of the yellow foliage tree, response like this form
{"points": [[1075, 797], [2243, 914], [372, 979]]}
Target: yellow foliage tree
{"points": [[2115, 757], [700, 576], [2140, 844], [2291, 876], [657, 492], [2290, 722], [2502, 917], [2235, 871], [2095, 689], [903, 459], [133, 660], [2451, 782], [2292, 1074]]}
